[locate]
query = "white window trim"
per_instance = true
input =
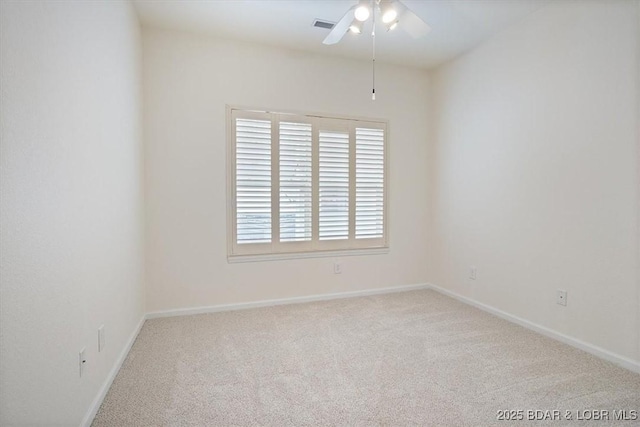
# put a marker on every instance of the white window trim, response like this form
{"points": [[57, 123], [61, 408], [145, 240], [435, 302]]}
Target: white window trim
{"points": [[314, 248]]}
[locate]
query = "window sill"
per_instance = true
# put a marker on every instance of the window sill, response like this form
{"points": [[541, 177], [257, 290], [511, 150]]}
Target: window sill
{"points": [[234, 259]]}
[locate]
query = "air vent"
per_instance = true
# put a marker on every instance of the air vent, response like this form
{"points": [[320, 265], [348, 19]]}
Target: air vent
{"points": [[323, 24]]}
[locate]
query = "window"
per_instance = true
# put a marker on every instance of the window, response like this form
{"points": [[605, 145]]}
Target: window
{"points": [[305, 184]]}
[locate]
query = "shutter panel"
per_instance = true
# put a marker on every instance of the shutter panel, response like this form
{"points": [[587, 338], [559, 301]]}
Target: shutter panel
{"points": [[333, 185], [305, 184], [253, 181], [295, 182], [369, 183]]}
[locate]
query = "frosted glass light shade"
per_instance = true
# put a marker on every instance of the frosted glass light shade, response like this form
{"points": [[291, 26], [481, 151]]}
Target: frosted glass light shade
{"points": [[362, 13], [389, 15]]}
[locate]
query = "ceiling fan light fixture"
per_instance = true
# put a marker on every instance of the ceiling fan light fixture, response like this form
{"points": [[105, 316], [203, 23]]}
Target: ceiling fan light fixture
{"points": [[362, 11], [356, 27], [388, 11], [392, 25], [389, 16]]}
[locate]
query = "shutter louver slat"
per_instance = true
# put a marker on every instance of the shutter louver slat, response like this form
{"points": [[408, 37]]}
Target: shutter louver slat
{"points": [[253, 181], [369, 183], [333, 222], [295, 182]]}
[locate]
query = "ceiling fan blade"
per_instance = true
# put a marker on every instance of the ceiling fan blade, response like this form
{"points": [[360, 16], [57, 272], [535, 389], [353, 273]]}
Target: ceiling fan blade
{"points": [[412, 23], [340, 29]]}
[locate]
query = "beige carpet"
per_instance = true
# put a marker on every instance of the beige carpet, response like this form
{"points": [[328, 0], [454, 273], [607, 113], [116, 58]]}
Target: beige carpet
{"points": [[412, 358]]}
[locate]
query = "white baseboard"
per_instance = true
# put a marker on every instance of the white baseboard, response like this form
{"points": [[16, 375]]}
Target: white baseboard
{"points": [[95, 406], [589, 348], [97, 402], [284, 301], [622, 361]]}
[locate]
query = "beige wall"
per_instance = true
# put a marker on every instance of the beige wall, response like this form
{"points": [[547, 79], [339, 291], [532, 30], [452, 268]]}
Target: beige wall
{"points": [[534, 170], [71, 189], [188, 80]]}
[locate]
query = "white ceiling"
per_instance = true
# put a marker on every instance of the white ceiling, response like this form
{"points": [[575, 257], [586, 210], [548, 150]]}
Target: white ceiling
{"points": [[456, 25]]}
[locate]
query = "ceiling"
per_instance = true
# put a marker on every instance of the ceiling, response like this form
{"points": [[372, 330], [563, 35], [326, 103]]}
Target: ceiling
{"points": [[456, 25]]}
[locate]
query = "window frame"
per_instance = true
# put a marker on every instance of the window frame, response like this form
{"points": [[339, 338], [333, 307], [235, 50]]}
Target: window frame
{"points": [[314, 248]]}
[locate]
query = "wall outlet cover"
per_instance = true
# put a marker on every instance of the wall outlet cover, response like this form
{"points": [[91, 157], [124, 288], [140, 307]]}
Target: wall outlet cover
{"points": [[337, 268], [100, 338], [561, 297], [82, 360]]}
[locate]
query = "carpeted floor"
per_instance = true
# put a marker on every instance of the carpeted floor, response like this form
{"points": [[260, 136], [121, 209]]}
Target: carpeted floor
{"points": [[411, 358]]}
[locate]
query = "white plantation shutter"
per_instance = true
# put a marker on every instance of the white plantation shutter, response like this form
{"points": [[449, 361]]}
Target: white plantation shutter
{"points": [[369, 183], [295, 182], [305, 184], [333, 185], [253, 181]]}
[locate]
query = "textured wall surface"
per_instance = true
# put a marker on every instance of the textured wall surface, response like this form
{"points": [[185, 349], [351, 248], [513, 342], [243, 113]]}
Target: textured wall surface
{"points": [[535, 169], [72, 202]]}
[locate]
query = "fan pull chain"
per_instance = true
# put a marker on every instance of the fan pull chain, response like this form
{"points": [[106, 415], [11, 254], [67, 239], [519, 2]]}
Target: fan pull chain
{"points": [[373, 38]]}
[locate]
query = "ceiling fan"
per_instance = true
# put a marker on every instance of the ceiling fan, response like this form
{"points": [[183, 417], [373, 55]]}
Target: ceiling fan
{"points": [[393, 13]]}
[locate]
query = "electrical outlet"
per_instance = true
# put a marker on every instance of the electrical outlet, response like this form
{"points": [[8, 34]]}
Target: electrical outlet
{"points": [[100, 338], [561, 297], [473, 273], [337, 268], [82, 360]]}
